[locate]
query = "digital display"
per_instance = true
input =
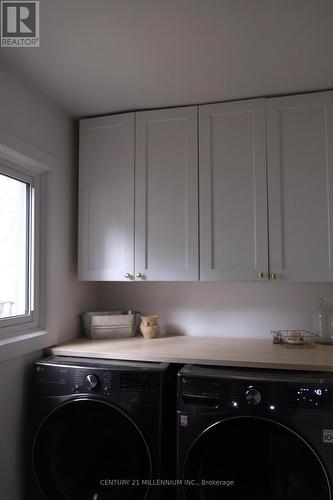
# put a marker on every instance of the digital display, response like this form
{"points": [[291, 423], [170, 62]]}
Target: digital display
{"points": [[310, 397]]}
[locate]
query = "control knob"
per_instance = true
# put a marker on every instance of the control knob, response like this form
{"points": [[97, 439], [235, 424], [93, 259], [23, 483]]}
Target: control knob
{"points": [[252, 396], [91, 380]]}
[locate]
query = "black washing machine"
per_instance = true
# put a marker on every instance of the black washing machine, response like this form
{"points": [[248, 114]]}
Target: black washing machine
{"points": [[101, 429], [254, 434]]}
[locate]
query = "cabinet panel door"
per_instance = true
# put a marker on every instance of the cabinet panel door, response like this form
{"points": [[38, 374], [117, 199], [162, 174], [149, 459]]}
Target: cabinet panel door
{"points": [[300, 172], [233, 192], [106, 198], [166, 194]]}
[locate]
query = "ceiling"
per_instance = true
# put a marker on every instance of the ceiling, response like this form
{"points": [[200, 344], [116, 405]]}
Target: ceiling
{"points": [[103, 56]]}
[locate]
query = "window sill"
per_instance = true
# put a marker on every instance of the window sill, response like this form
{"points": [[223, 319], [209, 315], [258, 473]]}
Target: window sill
{"points": [[22, 344]]}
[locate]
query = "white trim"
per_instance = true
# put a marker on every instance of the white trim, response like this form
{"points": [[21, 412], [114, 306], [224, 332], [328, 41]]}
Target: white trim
{"points": [[21, 153], [30, 321], [22, 344], [8, 168], [20, 335]]}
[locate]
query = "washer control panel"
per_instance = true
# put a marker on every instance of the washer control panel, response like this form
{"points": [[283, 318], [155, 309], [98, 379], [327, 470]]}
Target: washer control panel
{"points": [[126, 381], [138, 382], [203, 390], [310, 397], [86, 381]]}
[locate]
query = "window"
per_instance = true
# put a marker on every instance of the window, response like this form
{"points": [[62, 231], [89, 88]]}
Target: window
{"points": [[17, 248]]}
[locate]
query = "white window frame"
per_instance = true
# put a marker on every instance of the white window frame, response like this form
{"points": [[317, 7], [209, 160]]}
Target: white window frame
{"points": [[21, 339], [32, 321]]}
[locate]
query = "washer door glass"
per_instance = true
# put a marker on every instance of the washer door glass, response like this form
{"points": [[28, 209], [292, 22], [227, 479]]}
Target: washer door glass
{"points": [[253, 458], [84, 448]]}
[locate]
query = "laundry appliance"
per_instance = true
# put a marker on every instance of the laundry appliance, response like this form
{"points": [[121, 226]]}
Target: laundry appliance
{"points": [[254, 434], [102, 429]]}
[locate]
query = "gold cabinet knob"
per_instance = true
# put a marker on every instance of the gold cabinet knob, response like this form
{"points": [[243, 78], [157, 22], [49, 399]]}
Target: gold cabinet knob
{"points": [[274, 276], [128, 276], [262, 275]]}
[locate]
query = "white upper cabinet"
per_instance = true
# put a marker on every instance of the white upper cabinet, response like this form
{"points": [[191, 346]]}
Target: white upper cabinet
{"points": [[300, 174], [166, 195], [139, 192], [233, 191], [106, 198]]}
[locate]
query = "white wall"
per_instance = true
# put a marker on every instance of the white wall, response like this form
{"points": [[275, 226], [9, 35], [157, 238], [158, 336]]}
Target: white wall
{"points": [[220, 309], [31, 116], [14, 383]]}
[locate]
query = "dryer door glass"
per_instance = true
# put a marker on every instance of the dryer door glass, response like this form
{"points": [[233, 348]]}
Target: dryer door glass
{"points": [[253, 458], [88, 450]]}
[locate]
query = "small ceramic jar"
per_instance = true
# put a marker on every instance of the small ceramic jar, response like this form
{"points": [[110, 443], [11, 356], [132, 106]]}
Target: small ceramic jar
{"points": [[149, 326]]}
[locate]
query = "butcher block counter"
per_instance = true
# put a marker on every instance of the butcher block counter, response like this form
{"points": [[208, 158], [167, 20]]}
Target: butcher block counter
{"points": [[219, 351]]}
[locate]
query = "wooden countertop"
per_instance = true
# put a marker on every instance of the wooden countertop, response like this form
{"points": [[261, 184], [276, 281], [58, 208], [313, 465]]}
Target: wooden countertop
{"points": [[252, 353]]}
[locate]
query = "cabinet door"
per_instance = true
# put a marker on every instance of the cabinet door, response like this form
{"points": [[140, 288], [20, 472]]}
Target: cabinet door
{"points": [[106, 198], [300, 172], [166, 195], [233, 192]]}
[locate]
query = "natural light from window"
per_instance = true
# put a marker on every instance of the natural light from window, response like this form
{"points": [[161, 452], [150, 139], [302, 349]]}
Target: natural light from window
{"points": [[14, 247]]}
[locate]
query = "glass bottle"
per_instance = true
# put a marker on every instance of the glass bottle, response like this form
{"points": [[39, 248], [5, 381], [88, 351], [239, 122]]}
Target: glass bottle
{"points": [[324, 320]]}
